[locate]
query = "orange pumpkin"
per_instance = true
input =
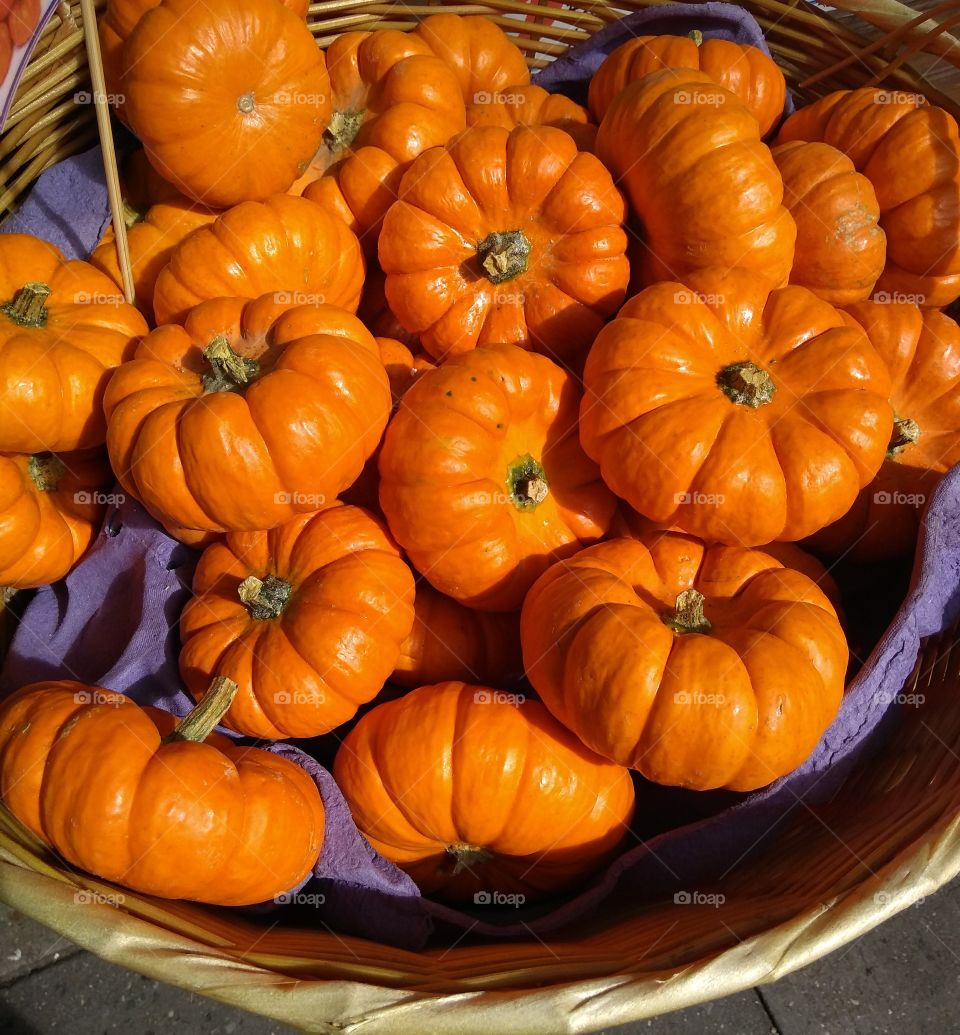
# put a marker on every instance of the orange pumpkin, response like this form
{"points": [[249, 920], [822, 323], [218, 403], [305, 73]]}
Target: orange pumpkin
{"points": [[735, 412], [841, 249], [700, 666], [922, 351], [451, 642], [506, 236], [482, 478], [684, 151], [63, 328], [166, 808], [471, 792], [242, 418], [290, 246], [743, 70], [50, 511], [529, 105], [307, 619], [236, 117], [910, 151]]}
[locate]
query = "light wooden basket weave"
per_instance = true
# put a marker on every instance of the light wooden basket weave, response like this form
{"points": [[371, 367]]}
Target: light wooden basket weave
{"points": [[888, 838]]}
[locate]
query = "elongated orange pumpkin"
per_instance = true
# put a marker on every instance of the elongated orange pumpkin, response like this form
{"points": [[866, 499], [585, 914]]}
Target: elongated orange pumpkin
{"points": [[243, 418], [734, 412], [531, 105], [684, 150], [482, 478], [922, 351], [506, 236], [700, 666], [308, 620], [473, 791], [165, 808]]}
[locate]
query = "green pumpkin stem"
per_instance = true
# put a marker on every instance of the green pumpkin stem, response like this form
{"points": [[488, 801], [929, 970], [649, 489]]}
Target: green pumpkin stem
{"points": [[746, 384], [504, 255], [697, 36], [46, 470], [229, 371], [343, 130], [28, 307], [687, 615], [266, 598], [906, 431], [131, 215], [467, 856], [200, 723], [527, 482]]}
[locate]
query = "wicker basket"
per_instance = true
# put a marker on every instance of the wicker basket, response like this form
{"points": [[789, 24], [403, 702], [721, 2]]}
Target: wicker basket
{"points": [[889, 837]]}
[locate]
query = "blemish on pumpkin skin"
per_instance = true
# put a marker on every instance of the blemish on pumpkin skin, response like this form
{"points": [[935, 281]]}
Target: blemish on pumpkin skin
{"points": [[450, 393]]}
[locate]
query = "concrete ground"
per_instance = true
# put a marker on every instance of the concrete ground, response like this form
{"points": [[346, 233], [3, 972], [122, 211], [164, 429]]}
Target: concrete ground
{"points": [[902, 977]]}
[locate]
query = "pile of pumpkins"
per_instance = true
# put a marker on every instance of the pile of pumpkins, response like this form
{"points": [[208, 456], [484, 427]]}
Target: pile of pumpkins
{"points": [[466, 388]]}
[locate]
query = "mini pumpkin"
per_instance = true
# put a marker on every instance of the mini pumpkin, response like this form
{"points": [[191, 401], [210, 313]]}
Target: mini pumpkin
{"points": [[738, 67], [841, 249], [50, 511], [922, 351], [702, 186], [236, 118], [468, 790], [245, 416], [286, 245], [307, 619], [165, 808], [530, 105], [506, 236], [482, 478], [734, 412], [63, 328], [700, 666], [910, 151]]}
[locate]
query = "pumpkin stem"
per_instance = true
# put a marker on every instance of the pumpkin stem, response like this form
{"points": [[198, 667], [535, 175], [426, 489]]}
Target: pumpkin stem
{"points": [[343, 129], [527, 482], [747, 384], [46, 470], [199, 724], [246, 102], [687, 615], [131, 215], [265, 598], [503, 255], [467, 856], [697, 36], [229, 370], [27, 307], [7, 593], [906, 431]]}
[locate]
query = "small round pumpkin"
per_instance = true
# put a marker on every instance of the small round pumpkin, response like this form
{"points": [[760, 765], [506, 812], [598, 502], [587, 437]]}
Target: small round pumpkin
{"points": [[738, 67], [700, 666], [63, 328], [482, 478], [734, 412], [841, 249], [922, 351], [165, 808], [307, 619], [910, 151], [245, 417], [230, 102], [471, 790], [506, 236], [287, 245], [50, 511], [530, 105], [702, 186]]}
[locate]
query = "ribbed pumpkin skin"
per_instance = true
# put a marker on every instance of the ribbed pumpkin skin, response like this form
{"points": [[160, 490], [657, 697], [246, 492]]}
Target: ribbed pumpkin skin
{"points": [[921, 348], [287, 245], [330, 649], [204, 452], [737, 704], [55, 362], [469, 792], [682, 148], [50, 512], [910, 151], [677, 439], [530, 105], [743, 70], [841, 249], [84, 769], [453, 475]]}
